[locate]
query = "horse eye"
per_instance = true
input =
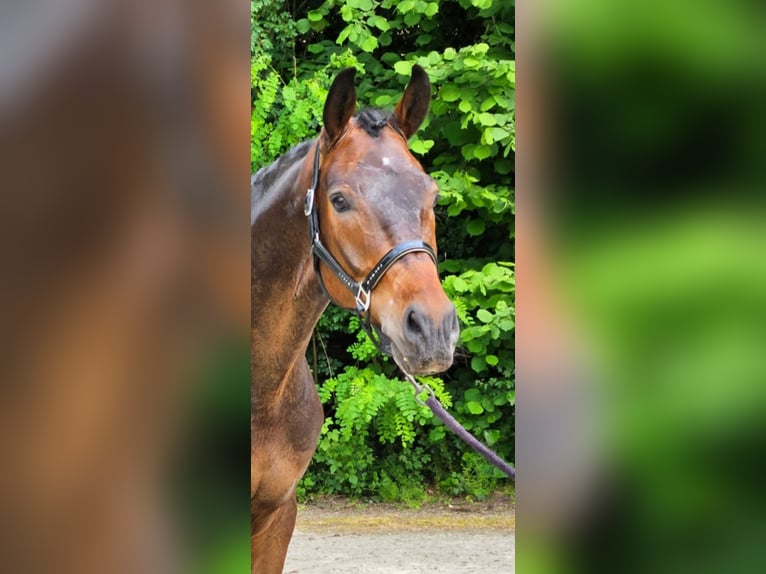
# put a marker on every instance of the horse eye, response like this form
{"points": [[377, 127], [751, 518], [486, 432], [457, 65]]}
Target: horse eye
{"points": [[339, 203]]}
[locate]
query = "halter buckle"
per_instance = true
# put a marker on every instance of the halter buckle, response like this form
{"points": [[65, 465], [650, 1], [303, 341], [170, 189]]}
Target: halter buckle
{"points": [[308, 204], [362, 298]]}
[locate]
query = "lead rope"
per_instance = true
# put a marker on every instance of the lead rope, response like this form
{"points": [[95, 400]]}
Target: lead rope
{"points": [[451, 423]]}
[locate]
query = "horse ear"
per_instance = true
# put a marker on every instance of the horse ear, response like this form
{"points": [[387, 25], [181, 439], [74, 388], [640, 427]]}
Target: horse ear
{"points": [[340, 104], [413, 107]]}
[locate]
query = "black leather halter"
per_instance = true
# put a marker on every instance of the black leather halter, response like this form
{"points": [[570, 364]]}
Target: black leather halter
{"points": [[362, 290]]}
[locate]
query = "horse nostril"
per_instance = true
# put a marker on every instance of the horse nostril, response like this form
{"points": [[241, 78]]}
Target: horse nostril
{"points": [[413, 323]]}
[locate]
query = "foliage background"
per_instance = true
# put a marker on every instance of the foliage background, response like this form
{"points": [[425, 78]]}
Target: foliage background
{"points": [[377, 442]]}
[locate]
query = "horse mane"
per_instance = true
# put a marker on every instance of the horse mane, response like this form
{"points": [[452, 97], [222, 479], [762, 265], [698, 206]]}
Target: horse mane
{"points": [[265, 177], [273, 175]]}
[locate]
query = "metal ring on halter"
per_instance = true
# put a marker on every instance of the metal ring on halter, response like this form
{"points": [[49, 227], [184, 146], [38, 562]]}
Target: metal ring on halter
{"points": [[309, 203], [362, 299]]}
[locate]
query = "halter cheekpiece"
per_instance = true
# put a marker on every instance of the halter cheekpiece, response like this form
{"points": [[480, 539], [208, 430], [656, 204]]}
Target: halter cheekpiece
{"points": [[362, 290]]}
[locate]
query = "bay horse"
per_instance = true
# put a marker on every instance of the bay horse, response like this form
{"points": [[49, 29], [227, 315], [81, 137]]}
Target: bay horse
{"points": [[337, 219]]}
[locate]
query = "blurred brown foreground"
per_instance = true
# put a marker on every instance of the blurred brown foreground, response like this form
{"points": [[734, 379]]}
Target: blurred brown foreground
{"points": [[124, 172]]}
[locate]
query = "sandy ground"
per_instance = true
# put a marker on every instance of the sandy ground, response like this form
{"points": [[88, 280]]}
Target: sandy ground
{"points": [[338, 537]]}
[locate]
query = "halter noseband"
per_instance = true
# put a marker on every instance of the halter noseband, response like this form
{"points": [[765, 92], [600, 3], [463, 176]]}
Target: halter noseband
{"points": [[362, 290]]}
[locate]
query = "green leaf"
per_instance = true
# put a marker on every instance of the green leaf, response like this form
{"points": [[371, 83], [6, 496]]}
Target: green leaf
{"points": [[468, 151], [302, 26], [450, 54], [459, 284], [315, 15], [499, 133], [423, 39], [436, 434], [473, 394], [485, 317], [379, 22], [486, 119], [475, 227], [474, 408], [449, 93], [482, 151], [450, 265], [431, 9], [403, 68], [343, 34], [491, 436], [488, 104], [347, 13], [478, 363], [481, 48], [411, 18], [421, 147], [475, 346], [369, 44], [500, 400], [472, 332], [482, 4], [491, 360]]}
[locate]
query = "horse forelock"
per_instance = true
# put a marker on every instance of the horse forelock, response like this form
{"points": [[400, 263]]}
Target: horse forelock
{"points": [[373, 120]]}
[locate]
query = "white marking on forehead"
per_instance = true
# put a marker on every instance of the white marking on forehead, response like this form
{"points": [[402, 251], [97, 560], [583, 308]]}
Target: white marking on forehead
{"points": [[386, 161]]}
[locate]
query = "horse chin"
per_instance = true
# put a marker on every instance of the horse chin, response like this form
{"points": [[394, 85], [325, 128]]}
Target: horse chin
{"points": [[387, 346], [417, 366], [401, 360]]}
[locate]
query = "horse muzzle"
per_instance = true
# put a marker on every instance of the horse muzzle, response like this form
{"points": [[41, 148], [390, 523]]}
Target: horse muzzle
{"points": [[425, 342]]}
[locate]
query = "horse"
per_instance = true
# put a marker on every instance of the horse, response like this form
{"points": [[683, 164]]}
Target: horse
{"points": [[346, 218]]}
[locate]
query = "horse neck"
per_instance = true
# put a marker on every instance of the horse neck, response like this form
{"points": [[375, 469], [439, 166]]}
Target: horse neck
{"points": [[286, 298]]}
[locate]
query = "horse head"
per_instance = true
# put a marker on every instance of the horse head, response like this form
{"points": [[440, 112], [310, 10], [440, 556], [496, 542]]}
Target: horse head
{"points": [[373, 197]]}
